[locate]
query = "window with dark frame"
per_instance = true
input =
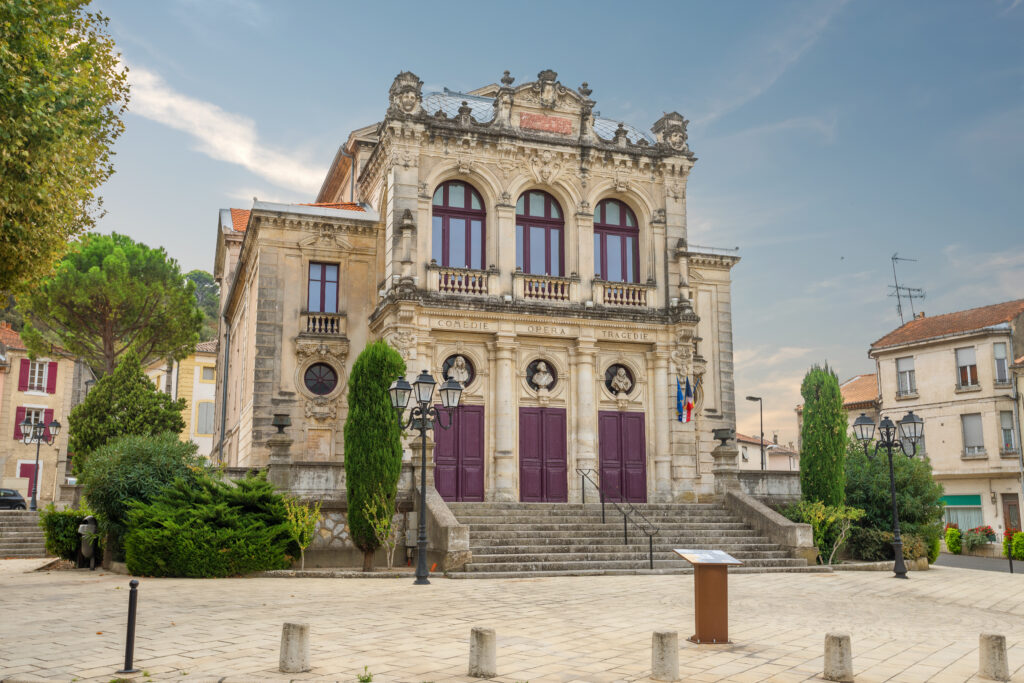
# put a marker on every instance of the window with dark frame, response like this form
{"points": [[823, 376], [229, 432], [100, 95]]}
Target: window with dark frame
{"points": [[320, 379], [540, 232], [967, 367], [458, 226], [616, 242], [323, 288]]}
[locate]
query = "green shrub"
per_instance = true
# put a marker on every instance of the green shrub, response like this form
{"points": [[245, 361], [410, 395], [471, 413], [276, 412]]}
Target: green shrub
{"points": [[875, 545], [209, 528], [1008, 540], [1018, 546], [373, 446], [60, 527], [133, 469], [953, 540], [934, 548], [830, 525], [972, 540], [823, 437]]}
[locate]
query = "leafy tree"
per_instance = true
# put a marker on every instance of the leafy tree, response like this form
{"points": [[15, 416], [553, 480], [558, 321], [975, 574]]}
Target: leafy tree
{"points": [[110, 295], [63, 91], [823, 437], [208, 299], [302, 521], [122, 403], [134, 468], [373, 447]]}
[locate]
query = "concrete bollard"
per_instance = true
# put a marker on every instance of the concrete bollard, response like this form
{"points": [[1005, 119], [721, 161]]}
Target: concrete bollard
{"points": [[483, 653], [294, 648], [992, 662], [838, 657], [665, 656]]}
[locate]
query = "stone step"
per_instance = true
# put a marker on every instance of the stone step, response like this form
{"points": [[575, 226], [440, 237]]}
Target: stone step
{"points": [[586, 527], [613, 547], [569, 534], [22, 555], [519, 518], [19, 526], [590, 505], [22, 540], [560, 565], [629, 572], [636, 555]]}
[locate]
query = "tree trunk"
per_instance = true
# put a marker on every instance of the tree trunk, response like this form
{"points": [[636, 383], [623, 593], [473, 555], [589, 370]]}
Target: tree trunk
{"points": [[367, 560], [302, 559]]}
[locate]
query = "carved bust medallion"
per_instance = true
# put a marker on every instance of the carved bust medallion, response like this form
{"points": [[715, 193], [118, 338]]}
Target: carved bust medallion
{"points": [[540, 375], [459, 368], [618, 379]]}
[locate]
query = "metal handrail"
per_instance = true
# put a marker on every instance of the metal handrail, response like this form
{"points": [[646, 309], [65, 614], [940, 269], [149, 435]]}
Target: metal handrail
{"points": [[646, 528]]}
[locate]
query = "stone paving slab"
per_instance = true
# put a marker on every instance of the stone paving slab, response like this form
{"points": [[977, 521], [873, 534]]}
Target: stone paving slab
{"points": [[66, 625]]}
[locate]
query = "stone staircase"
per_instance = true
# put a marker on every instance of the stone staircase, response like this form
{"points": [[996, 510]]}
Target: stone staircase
{"points": [[20, 535], [564, 539]]}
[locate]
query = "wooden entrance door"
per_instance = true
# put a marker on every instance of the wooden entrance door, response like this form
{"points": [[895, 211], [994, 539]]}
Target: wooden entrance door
{"points": [[459, 455], [543, 463], [1011, 511], [622, 448], [28, 470]]}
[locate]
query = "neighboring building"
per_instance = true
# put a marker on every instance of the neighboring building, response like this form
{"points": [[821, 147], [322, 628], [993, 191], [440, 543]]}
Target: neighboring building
{"points": [[777, 457], [954, 371], [514, 240], [41, 389], [860, 395], [195, 379]]}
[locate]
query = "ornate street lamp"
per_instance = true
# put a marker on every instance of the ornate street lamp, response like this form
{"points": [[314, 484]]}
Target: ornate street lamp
{"points": [[423, 417], [38, 432], [911, 428]]}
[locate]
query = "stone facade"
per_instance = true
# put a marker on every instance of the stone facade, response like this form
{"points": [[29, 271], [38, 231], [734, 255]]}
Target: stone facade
{"points": [[194, 379], [565, 343]]}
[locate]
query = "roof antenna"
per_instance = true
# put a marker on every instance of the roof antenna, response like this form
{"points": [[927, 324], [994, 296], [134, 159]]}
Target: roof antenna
{"points": [[901, 292]]}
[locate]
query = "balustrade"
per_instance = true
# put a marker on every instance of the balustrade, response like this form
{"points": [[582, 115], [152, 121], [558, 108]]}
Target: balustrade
{"points": [[323, 324], [624, 294], [461, 280]]}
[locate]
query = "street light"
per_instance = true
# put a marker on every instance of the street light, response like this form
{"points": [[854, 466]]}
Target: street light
{"points": [[911, 428], [764, 464], [423, 416], [38, 432]]}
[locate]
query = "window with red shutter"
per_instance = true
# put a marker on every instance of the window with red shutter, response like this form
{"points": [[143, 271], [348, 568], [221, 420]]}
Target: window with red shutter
{"points": [[19, 417], [51, 378], [26, 365]]}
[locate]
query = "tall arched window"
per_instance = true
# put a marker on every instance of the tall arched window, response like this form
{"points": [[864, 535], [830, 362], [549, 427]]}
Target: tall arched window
{"points": [[539, 230], [616, 243], [458, 226]]}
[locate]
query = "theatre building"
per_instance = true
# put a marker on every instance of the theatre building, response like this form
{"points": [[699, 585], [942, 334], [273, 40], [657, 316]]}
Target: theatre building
{"points": [[512, 239]]}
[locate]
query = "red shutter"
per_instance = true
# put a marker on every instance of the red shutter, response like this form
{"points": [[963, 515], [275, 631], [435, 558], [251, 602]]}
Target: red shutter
{"points": [[51, 379], [19, 417], [47, 419], [23, 375]]}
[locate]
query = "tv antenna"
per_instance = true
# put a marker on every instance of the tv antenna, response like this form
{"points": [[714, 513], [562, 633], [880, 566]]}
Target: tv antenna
{"points": [[900, 292]]}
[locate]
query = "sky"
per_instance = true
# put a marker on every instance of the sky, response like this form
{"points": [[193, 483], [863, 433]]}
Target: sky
{"points": [[830, 135]]}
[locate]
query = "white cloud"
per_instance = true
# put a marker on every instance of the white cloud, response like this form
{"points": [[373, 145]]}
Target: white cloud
{"points": [[220, 134], [824, 127], [765, 357], [981, 278]]}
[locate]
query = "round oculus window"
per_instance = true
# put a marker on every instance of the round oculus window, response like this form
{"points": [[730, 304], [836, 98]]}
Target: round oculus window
{"points": [[321, 379]]}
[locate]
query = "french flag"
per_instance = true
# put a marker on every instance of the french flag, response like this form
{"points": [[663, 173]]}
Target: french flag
{"points": [[688, 400]]}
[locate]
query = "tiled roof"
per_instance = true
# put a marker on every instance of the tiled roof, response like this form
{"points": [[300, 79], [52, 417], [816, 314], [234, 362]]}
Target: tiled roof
{"points": [[207, 346], [9, 337], [1019, 361], [743, 438], [239, 219], [345, 206], [970, 320], [859, 390]]}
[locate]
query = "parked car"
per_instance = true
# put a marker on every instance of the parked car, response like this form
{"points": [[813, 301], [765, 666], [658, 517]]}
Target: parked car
{"points": [[11, 500]]}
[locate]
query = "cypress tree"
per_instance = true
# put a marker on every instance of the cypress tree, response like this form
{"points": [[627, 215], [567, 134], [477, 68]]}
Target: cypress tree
{"points": [[823, 438], [373, 447]]}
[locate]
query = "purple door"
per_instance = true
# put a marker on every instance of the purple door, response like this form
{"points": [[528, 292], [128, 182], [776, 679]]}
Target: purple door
{"points": [[623, 452], [459, 455], [543, 465]]}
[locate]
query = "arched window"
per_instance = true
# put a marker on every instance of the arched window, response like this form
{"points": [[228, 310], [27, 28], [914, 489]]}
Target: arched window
{"points": [[616, 244], [539, 229], [458, 226]]}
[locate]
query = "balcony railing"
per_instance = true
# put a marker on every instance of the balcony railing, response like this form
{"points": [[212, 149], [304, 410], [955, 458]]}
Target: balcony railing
{"points": [[626, 294], [461, 280], [323, 324], [545, 287]]}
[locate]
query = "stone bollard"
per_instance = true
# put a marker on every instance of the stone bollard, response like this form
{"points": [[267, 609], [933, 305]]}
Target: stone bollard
{"points": [[992, 661], [665, 656], [294, 648], [838, 657], [483, 653]]}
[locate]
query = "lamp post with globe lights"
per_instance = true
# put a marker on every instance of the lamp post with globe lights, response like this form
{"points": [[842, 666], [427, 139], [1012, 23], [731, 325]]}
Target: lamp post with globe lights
{"points": [[911, 428], [38, 432], [423, 417]]}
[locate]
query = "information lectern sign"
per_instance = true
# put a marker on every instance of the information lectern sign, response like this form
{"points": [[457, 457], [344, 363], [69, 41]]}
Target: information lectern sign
{"points": [[710, 593]]}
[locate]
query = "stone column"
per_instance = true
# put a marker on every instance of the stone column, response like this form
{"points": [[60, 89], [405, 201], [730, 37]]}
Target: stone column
{"points": [[725, 469], [586, 407], [279, 463], [505, 392], [662, 423]]}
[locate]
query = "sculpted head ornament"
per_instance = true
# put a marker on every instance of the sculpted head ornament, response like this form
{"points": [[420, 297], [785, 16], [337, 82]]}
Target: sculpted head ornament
{"points": [[406, 93]]}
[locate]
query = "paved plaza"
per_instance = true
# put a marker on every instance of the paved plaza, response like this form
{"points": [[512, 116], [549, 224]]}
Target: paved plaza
{"points": [[66, 625]]}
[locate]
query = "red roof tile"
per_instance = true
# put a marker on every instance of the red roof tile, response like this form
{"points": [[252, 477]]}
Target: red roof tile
{"points": [[207, 346], [10, 338], [346, 206], [970, 320], [239, 219], [859, 390]]}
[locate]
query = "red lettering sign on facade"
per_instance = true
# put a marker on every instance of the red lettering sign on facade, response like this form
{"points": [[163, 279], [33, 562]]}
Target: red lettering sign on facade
{"points": [[548, 124]]}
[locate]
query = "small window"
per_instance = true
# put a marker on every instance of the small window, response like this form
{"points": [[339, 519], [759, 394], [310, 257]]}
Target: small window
{"points": [[907, 384], [616, 252], [323, 288], [974, 442], [204, 418], [1006, 430], [967, 367], [37, 376], [209, 373], [321, 379], [1002, 369]]}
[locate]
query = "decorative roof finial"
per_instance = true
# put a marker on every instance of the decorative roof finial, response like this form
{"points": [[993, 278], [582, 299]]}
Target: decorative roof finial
{"points": [[507, 80], [584, 90]]}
